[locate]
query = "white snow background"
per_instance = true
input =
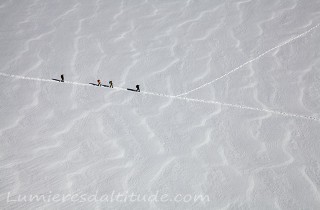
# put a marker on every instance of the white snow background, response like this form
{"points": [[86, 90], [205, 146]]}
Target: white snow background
{"points": [[229, 104]]}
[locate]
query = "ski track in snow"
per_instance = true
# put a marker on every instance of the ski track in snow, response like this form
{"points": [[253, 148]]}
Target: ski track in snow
{"points": [[177, 97], [252, 60]]}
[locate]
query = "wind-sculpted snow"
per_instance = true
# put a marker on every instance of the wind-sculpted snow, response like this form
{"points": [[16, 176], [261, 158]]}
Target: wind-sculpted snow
{"points": [[228, 108]]}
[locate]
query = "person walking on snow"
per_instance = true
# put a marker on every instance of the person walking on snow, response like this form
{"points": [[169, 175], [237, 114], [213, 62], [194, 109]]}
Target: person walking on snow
{"points": [[62, 78], [138, 88], [110, 84], [99, 82]]}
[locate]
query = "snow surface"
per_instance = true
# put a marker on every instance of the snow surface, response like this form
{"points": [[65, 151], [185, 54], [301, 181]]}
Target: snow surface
{"points": [[229, 108]]}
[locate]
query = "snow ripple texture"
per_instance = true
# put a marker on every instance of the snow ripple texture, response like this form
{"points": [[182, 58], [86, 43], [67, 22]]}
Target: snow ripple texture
{"points": [[229, 104]]}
